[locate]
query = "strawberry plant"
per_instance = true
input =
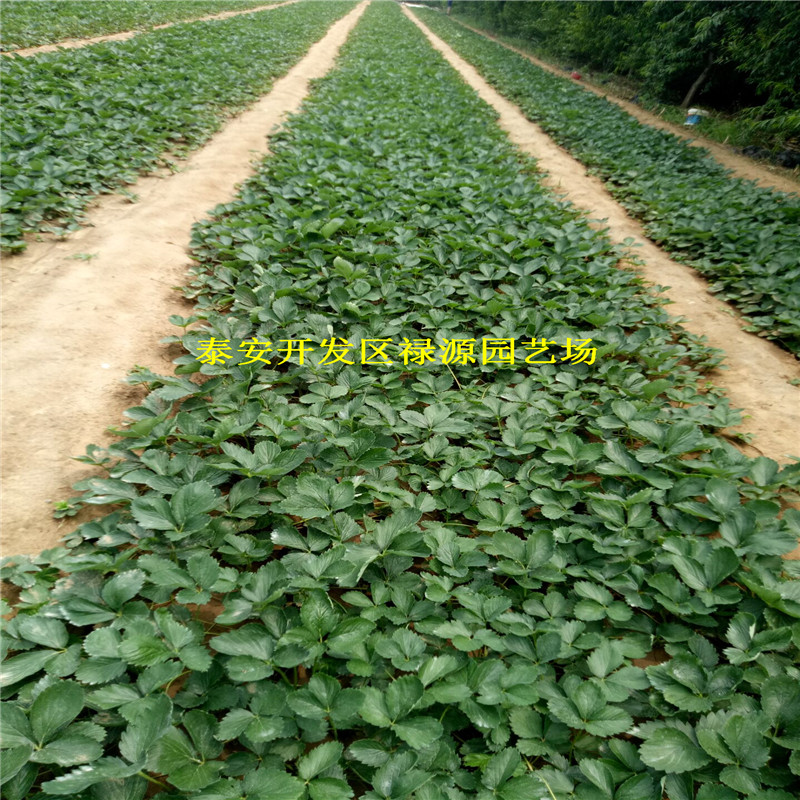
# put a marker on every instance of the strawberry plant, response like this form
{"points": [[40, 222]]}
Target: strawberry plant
{"points": [[81, 122], [389, 582], [740, 236], [26, 23]]}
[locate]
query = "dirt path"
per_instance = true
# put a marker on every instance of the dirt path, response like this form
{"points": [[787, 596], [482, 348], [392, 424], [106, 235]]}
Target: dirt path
{"points": [[71, 44], [73, 326], [743, 167], [758, 373]]}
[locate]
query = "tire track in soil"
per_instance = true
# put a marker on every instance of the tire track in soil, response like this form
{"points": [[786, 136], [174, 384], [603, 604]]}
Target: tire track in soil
{"points": [[72, 328], [742, 166], [121, 36], [758, 374]]}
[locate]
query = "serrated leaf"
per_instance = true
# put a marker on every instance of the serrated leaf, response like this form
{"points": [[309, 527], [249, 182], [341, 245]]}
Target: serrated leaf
{"points": [[278, 785], [142, 734], [123, 587], [23, 666], [436, 668], [500, 768], [68, 750], [320, 759], [54, 709], [368, 752], [44, 631], [672, 751], [419, 732]]}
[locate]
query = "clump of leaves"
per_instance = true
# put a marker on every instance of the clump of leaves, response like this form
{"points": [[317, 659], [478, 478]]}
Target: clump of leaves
{"points": [[335, 581]]}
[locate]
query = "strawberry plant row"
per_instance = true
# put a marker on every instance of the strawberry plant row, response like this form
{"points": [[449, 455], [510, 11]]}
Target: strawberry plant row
{"points": [[741, 237], [26, 23], [408, 582], [81, 122]]}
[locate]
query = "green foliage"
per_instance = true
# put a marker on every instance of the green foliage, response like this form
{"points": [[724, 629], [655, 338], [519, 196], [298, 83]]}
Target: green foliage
{"points": [[32, 22], [741, 237], [746, 49], [78, 123], [459, 615]]}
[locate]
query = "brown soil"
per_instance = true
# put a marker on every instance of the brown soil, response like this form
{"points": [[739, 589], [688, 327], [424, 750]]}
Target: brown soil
{"points": [[71, 44], [765, 175], [758, 374], [72, 327]]}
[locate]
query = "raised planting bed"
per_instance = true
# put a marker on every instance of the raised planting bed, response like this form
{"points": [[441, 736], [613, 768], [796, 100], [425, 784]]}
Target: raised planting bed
{"points": [[81, 122]]}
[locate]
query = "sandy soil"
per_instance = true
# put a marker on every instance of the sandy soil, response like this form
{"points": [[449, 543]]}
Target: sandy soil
{"points": [[743, 167], [758, 373], [73, 326], [71, 44]]}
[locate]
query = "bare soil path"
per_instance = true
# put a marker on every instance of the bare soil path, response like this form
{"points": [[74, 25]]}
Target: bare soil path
{"points": [[72, 44], [743, 167], [73, 325], [758, 374]]}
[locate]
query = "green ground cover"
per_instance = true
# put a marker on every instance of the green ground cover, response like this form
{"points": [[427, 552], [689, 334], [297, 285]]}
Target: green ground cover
{"points": [[741, 237], [403, 581], [25, 23], [80, 122]]}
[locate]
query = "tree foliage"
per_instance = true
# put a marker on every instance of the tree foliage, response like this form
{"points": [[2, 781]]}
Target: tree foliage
{"points": [[749, 47]]}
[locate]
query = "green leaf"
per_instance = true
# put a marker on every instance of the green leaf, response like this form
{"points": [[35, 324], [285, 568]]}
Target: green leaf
{"points": [[132, 788], [740, 780], [191, 502], [605, 659], [373, 708], [201, 727], [143, 650], [123, 587], [103, 643], [172, 751], [44, 631], [175, 634], [204, 569], [68, 751], [599, 774], [152, 721], [639, 787], [249, 640], [233, 724], [586, 708], [113, 696], [23, 666], [153, 513], [320, 759], [14, 760], [419, 732], [195, 776], [369, 752], [54, 709], [673, 751], [15, 730], [746, 742], [436, 668], [402, 695], [246, 669], [79, 779], [500, 768], [278, 785], [522, 788], [329, 789]]}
